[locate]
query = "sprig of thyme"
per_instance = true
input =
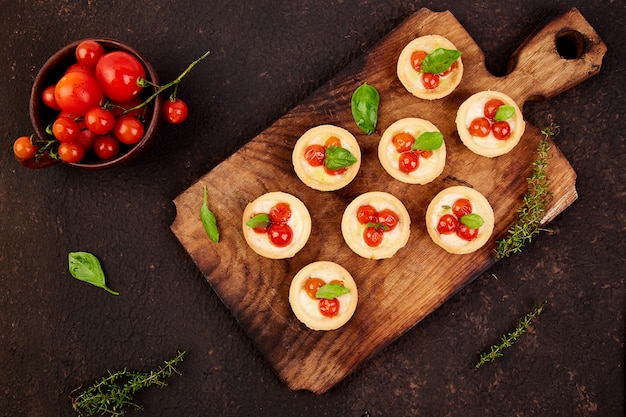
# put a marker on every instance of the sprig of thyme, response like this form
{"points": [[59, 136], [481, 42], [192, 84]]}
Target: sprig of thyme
{"points": [[531, 212], [115, 392], [509, 339]]}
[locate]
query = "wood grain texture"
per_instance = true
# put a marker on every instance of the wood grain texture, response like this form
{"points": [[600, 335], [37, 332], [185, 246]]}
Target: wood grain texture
{"points": [[394, 294]]}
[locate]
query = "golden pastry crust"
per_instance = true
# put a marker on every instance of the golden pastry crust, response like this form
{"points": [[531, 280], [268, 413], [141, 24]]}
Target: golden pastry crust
{"points": [[429, 168], [393, 240], [300, 223], [441, 204], [306, 308], [411, 79], [315, 177], [488, 146]]}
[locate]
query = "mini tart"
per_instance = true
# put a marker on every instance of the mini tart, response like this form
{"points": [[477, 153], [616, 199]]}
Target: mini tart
{"points": [[488, 146], [300, 223], [441, 205], [306, 308], [411, 79], [429, 168], [393, 240], [316, 177]]}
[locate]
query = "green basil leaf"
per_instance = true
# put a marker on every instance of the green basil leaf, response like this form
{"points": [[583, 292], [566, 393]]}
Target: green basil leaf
{"points": [[338, 157], [428, 141], [259, 221], [472, 220], [439, 60], [84, 266], [364, 104], [208, 220], [330, 291], [504, 112]]}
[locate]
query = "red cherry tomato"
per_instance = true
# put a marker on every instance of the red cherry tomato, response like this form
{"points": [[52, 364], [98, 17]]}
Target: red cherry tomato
{"points": [[480, 127], [452, 67], [338, 171], [466, 233], [80, 68], [23, 148], [71, 152], [367, 214], [65, 129], [280, 213], [48, 98], [77, 92], [313, 284], [329, 308], [373, 236], [99, 120], [175, 112], [430, 81], [491, 107], [118, 73], [128, 130], [408, 162], [315, 154], [332, 141], [416, 60], [403, 142], [280, 234], [447, 224], [461, 207], [501, 130], [88, 53], [86, 138], [106, 147], [389, 218]]}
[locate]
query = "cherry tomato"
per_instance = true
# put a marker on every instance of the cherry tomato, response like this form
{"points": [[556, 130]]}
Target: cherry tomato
{"points": [[23, 148], [106, 147], [80, 68], [430, 81], [480, 127], [88, 53], [280, 234], [389, 218], [315, 154], [416, 60], [408, 162], [424, 154], [128, 130], [466, 233], [48, 98], [403, 142], [367, 214], [86, 138], [329, 308], [501, 130], [461, 207], [491, 107], [118, 73], [313, 284], [280, 213], [373, 236], [71, 152], [175, 112], [332, 141], [452, 67], [77, 92], [447, 224], [118, 107], [337, 171], [65, 129], [99, 120]]}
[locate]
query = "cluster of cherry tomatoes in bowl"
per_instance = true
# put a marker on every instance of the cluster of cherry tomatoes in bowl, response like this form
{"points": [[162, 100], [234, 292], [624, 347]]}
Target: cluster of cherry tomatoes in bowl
{"points": [[96, 103]]}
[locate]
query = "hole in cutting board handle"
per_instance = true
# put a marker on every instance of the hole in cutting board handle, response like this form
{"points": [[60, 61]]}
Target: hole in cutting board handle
{"points": [[571, 44]]}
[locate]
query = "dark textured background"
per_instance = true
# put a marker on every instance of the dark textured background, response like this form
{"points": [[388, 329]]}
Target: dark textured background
{"points": [[57, 334]]}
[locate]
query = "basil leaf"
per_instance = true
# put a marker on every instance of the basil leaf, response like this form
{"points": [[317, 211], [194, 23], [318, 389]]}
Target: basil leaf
{"points": [[504, 112], [439, 60], [330, 291], [259, 221], [84, 266], [428, 141], [338, 157], [208, 220], [365, 101], [472, 220]]}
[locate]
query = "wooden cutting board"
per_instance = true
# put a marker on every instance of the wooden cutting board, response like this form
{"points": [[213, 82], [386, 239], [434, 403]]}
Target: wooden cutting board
{"points": [[394, 294]]}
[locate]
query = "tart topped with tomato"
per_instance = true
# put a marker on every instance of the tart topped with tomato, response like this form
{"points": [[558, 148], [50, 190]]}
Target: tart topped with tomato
{"points": [[276, 225], [375, 225], [430, 67], [326, 157], [460, 219], [412, 150], [490, 123], [323, 295]]}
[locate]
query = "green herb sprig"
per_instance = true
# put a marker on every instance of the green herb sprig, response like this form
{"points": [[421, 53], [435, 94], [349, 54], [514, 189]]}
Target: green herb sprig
{"points": [[114, 393], [509, 339], [531, 212]]}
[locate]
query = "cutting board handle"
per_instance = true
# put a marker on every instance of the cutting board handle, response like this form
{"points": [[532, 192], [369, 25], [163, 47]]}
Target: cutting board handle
{"points": [[557, 56]]}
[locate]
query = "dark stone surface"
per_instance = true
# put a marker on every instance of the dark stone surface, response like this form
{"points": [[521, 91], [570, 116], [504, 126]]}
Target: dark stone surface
{"points": [[57, 334]]}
